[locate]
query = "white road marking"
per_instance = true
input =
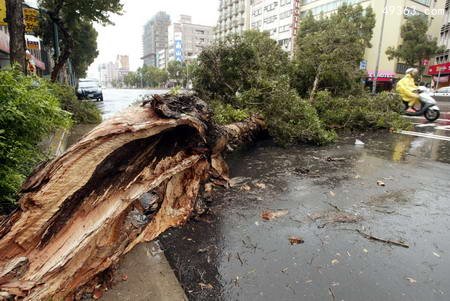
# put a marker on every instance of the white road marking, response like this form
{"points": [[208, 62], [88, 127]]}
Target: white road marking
{"points": [[424, 135], [425, 125], [443, 128]]}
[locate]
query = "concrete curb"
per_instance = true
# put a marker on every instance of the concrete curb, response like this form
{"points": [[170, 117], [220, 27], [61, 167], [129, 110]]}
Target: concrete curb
{"points": [[150, 277]]}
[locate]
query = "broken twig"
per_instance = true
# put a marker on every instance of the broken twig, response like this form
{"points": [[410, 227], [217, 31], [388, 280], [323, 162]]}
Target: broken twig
{"points": [[332, 294], [391, 242], [334, 206]]}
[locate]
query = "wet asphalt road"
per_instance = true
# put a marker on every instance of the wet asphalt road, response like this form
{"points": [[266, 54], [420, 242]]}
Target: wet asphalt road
{"points": [[116, 100], [232, 254]]}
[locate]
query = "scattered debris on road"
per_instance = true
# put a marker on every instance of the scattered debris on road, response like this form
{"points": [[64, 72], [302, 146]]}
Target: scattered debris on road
{"points": [[334, 217], [411, 280], [381, 183], [359, 142], [261, 185], [295, 240], [332, 159], [205, 286], [270, 215]]}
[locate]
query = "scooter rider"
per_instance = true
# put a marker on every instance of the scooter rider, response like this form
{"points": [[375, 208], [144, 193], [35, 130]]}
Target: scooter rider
{"points": [[406, 87]]}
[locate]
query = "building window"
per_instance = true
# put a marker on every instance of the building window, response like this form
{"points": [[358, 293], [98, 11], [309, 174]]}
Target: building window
{"points": [[257, 12], [270, 19], [271, 7], [286, 14], [329, 7], [284, 28], [423, 2], [401, 68], [285, 2]]}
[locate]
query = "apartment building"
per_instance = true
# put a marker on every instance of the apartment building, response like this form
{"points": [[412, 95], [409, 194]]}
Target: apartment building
{"points": [[113, 73], [279, 18], [155, 38], [186, 41], [234, 17], [440, 65], [397, 12]]}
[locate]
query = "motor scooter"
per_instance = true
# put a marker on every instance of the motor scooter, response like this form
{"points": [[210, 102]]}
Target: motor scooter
{"points": [[428, 106]]}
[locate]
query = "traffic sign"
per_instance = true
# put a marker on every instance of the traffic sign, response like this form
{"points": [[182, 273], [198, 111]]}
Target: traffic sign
{"points": [[3, 13], [363, 65]]}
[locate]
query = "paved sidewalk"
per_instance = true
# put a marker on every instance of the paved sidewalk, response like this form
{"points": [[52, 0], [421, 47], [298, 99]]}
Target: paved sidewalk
{"points": [[150, 277]]}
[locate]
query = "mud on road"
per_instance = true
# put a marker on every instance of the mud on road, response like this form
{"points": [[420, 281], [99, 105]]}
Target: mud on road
{"points": [[335, 199]]}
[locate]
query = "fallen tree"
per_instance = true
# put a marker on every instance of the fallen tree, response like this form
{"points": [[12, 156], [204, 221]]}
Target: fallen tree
{"points": [[126, 182]]}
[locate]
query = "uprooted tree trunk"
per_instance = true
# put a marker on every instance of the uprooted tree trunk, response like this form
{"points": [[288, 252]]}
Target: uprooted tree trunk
{"points": [[126, 182]]}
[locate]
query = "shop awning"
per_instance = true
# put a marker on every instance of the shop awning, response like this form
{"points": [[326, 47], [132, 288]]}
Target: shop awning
{"points": [[4, 47], [383, 76], [439, 68]]}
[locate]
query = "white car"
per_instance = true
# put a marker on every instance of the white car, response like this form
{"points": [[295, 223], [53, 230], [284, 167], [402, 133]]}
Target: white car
{"points": [[442, 94]]}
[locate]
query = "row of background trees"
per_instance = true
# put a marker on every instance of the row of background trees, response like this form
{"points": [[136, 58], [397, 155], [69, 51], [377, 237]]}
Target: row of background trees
{"points": [[176, 74], [320, 90]]}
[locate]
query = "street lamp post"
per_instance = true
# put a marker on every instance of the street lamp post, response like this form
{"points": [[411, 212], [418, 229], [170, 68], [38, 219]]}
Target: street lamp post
{"points": [[377, 68]]}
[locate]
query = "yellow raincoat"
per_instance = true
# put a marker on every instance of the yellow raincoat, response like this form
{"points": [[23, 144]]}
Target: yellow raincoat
{"points": [[405, 88]]}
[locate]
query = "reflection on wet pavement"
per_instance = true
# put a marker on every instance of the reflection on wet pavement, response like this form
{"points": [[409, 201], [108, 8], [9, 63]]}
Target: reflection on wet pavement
{"points": [[231, 253]]}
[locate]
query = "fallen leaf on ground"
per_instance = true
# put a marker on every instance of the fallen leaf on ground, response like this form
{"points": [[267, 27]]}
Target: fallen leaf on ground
{"points": [[124, 277], [359, 142], [205, 286], [436, 254], [98, 293], [270, 215], [381, 183], [411, 280], [261, 185], [332, 194], [246, 187], [365, 251], [295, 240], [334, 261]]}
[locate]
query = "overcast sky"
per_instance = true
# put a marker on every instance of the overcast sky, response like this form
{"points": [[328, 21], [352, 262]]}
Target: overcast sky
{"points": [[125, 37]]}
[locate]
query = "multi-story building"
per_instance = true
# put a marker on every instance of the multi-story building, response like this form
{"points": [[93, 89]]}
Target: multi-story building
{"points": [[279, 18], [397, 12], [113, 73], [123, 66], [234, 17], [161, 59], [440, 65], [108, 74], [155, 37], [187, 40]]}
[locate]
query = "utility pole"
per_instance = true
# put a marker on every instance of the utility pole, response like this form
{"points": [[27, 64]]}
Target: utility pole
{"points": [[16, 28], [377, 68]]}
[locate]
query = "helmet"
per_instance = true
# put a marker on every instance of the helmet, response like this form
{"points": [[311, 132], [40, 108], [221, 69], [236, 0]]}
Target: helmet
{"points": [[412, 70]]}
